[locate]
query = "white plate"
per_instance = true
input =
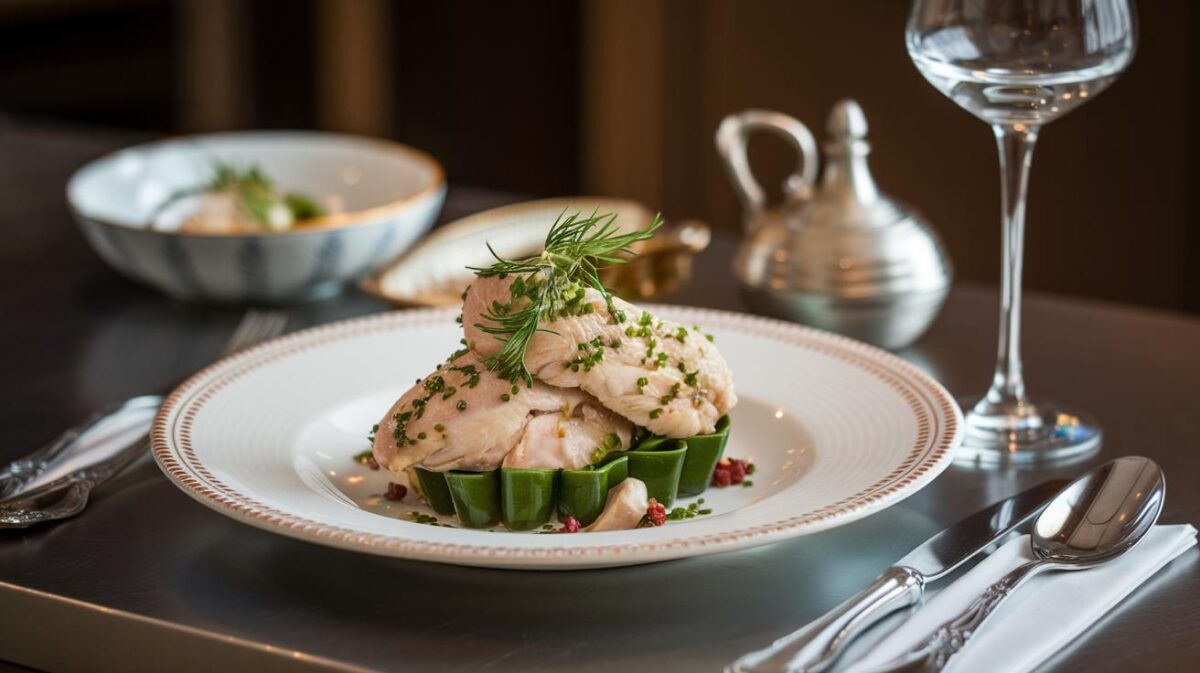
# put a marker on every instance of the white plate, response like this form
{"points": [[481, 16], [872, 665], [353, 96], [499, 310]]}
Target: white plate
{"points": [[838, 430]]}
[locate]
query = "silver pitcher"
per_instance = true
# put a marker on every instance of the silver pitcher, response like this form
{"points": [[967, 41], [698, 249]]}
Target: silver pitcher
{"points": [[840, 256]]}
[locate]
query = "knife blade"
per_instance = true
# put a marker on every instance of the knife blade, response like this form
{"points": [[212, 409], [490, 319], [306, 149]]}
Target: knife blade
{"points": [[814, 647]]}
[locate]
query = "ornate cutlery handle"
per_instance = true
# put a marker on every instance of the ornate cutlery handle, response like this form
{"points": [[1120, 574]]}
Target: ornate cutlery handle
{"points": [[816, 646], [68, 494], [18, 474], [933, 653], [72, 465]]}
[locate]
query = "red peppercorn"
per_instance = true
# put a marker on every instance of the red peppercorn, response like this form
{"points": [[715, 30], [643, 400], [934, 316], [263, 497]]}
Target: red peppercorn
{"points": [[396, 491], [372, 463], [570, 525], [730, 471], [737, 472], [656, 513]]}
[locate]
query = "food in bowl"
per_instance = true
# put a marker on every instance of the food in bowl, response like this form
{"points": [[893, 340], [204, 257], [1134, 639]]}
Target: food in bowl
{"points": [[563, 401], [240, 201], [390, 195]]}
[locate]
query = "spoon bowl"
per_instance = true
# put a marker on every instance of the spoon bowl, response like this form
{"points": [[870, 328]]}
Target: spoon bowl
{"points": [[1100, 515], [1096, 518]]}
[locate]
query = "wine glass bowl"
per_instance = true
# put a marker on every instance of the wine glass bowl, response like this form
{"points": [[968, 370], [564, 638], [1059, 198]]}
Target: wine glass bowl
{"points": [[1017, 65], [1015, 62]]}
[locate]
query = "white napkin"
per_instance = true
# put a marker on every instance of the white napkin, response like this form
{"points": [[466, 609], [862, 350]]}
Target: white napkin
{"points": [[1041, 617]]}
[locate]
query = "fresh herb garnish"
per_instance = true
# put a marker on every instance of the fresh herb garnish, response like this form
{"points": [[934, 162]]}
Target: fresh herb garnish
{"points": [[428, 520], [692, 511], [550, 283], [590, 354]]}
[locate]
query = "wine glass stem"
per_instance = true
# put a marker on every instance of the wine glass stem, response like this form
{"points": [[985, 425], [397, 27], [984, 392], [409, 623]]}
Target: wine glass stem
{"points": [[1016, 144]]}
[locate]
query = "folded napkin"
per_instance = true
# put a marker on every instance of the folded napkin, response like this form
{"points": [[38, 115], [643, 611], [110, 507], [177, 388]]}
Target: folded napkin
{"points": [[1039, 618]]}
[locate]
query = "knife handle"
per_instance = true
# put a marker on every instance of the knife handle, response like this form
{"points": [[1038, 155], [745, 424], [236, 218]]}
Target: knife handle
{"points": [[814, 647]]}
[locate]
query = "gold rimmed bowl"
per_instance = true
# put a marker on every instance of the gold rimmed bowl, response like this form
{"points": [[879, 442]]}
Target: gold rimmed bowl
{"points": [[390, 193]]}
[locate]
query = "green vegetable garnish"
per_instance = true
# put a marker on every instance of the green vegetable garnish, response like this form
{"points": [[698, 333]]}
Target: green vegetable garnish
{"points": [[523, 498]]}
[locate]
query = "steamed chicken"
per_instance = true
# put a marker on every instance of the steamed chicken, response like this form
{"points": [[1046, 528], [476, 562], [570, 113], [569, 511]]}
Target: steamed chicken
{"points": [[558, 374], [667, 378], [464, 417]]}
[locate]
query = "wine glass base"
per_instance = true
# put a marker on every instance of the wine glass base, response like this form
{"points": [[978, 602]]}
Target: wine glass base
{"points": [[1053, 434]]}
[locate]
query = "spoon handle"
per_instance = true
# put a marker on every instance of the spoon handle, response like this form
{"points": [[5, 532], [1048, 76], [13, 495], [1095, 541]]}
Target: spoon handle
{"points": [[815, 647], [935, 651]]}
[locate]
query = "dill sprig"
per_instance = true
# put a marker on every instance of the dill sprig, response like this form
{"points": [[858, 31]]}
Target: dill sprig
{"points": [[550, 285]]}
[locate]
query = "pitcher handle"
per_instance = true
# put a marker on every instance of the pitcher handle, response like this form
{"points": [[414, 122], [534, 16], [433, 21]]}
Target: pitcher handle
{"points": [[733, 136]]}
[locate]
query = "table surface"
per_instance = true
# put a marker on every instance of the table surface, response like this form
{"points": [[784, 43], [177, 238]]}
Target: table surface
{"points": [[146, 578]]}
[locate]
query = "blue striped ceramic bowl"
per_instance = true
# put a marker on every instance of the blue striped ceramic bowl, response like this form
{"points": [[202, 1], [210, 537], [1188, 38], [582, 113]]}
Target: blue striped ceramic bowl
{"points": [[392, 194]]}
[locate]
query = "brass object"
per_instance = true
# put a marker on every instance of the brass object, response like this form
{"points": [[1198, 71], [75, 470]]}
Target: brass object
{"points": [[840, 256]]}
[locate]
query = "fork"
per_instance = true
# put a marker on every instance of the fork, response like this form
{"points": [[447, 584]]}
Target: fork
{"points": [[27, 493]]}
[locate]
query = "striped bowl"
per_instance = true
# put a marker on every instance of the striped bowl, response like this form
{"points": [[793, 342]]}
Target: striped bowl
{"points": [[392, 195]]}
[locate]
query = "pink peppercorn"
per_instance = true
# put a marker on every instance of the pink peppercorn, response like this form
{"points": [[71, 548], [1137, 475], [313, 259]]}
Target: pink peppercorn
{"points": [[656, 513], [396, 491], [737, 471], [730, 471], [570, 525]]}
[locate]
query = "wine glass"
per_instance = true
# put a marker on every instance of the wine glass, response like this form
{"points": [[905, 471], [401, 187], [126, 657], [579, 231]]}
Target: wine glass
{"points": [[1018, 64]]}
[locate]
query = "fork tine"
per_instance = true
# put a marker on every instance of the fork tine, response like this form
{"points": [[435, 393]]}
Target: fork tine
{"points": [[255, 327], [271, 325], [249, 318], [278, 325], [245, 332], [274, 324]]}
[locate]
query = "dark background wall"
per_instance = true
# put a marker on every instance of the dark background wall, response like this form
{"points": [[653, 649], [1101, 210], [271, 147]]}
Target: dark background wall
{"points": [[622, 96]]}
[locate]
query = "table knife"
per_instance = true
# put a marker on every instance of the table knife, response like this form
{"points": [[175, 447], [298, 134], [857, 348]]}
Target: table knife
{"points": [[814, 647]]}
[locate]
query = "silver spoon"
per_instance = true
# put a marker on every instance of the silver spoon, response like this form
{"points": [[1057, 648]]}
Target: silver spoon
{"points": [[1095, 519]]}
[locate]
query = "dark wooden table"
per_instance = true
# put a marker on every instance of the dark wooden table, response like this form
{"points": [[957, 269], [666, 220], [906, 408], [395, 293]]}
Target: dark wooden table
{"points": [[148, 579]]}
